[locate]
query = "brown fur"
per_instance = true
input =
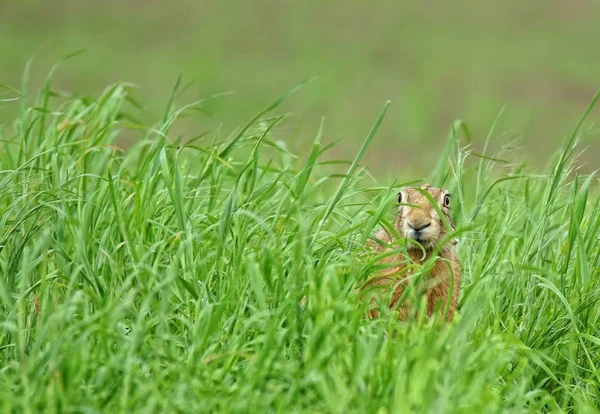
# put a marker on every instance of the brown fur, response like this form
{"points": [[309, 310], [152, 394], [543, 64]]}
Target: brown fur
{"points": [[436, 285]]}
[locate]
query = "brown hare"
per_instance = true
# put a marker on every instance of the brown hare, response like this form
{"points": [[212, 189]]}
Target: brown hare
{"points": [[420, 224]]}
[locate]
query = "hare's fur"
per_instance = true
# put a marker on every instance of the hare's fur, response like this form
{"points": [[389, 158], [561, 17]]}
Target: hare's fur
{"points": [[439, 283]]}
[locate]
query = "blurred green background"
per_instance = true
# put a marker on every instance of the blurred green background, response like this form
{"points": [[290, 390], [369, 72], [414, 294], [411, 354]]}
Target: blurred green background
{"points": [[435, 60]]}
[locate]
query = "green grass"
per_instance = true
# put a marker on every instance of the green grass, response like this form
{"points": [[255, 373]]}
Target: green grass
{"points": [[436, 61], [168, 278]]}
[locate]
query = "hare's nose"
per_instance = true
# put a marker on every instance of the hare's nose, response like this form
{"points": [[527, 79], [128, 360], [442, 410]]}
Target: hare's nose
{"points": [[419, 226]]}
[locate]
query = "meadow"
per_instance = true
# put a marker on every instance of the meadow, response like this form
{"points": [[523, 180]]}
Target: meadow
{"points": [[168, 277], [436, 61]]}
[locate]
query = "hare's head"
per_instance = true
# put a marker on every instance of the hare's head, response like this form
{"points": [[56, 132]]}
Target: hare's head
{"points": [[419, 220]]}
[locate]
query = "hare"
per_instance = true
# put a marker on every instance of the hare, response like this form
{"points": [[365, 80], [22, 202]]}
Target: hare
{"points": [[421, 226]]}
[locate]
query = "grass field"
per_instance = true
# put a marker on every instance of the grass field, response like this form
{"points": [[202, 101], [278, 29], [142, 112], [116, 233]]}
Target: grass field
{"points": [[436, 61], [168, 278]]}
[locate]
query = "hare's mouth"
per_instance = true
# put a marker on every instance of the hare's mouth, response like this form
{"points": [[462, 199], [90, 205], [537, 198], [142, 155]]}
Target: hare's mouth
{"points": [[418, 236], [424, 240], [420, 239]]}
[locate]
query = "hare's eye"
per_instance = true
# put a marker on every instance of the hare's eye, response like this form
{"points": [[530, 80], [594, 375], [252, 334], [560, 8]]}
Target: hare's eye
{"points": [[400, 197], [447, 200]]}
